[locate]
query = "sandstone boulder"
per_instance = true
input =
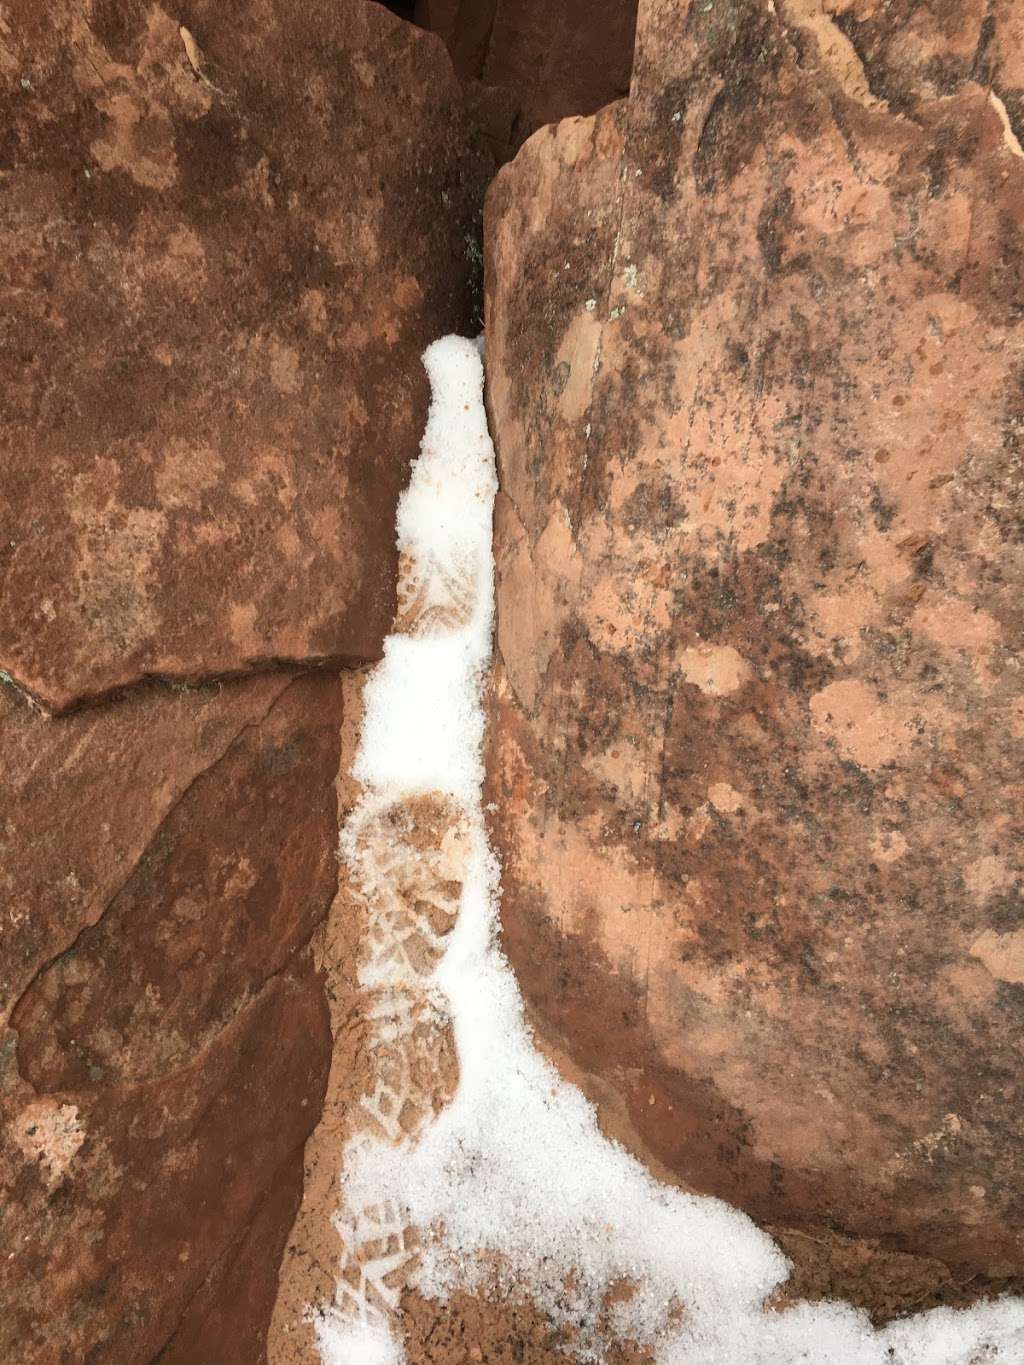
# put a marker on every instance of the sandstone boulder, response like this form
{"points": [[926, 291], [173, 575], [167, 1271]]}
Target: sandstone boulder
{"points": [[166, 863], [228, 232], [754, 365]]}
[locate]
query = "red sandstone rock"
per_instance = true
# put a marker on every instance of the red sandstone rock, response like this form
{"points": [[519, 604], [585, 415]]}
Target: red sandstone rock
{"points": [[530, 62], [229, 229], [165, 1038], [564, 59], [754, 363]]}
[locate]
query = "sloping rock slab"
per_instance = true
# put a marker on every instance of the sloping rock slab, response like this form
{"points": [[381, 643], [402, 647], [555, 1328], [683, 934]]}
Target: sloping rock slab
{"points": [[228, 231], [754, 363], [165, 1045]]}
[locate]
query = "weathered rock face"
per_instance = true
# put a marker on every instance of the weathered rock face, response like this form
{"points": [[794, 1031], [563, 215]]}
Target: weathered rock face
{"points": [[224, 247], [228, 232], [166, 863], [755, 359], [309, 1268], [529, 62]]}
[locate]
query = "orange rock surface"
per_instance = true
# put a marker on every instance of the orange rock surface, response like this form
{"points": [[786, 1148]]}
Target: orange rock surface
{"points": [[754, 361], [229, 231]]}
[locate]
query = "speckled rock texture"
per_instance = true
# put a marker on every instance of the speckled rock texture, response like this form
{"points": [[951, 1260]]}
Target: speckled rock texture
{"points": [[228, 231], [531, 62], [165, 1040], [756, 379]]}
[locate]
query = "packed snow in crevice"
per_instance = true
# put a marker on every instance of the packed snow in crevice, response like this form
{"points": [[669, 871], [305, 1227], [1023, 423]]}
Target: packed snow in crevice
{"points": [[503, 1181]]}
